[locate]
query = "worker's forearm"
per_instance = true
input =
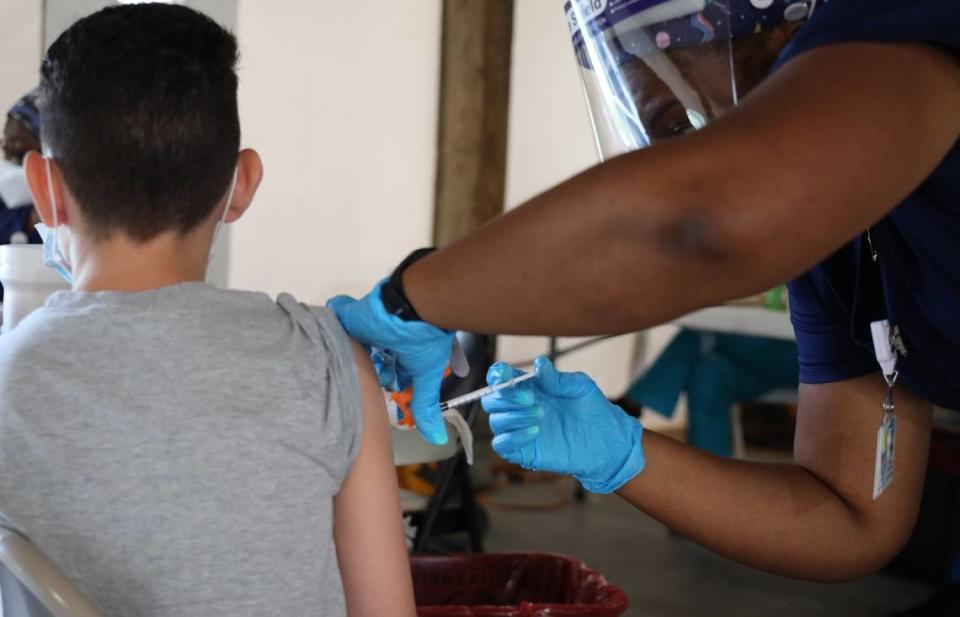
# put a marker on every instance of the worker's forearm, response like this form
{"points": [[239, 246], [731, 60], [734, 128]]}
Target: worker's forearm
{"points": [[776, 517]]}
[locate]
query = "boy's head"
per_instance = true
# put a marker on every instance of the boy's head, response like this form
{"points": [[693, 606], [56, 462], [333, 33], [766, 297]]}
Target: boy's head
{"points": [[139, 115]]}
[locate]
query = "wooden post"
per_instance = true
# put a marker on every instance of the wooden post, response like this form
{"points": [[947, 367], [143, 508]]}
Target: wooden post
{"points": [[472, 131]]}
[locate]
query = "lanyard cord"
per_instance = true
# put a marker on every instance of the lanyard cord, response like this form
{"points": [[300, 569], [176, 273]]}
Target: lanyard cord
{"points": [[873, 249], [895, 336]]}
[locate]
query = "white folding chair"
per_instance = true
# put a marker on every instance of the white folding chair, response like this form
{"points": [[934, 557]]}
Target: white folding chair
{"points": [[33, 586]]}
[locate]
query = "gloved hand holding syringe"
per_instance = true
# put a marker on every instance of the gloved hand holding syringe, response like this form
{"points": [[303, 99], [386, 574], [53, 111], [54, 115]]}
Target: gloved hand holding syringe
{"points": [[401, 415]]}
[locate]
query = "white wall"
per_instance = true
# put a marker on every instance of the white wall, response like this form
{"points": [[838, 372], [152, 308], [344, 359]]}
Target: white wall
{"points": [[60, 14], [340, 99], [20, 47], [550, 139], [341, 102]]}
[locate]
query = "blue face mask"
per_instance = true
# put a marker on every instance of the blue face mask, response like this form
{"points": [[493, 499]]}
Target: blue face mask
{"points": [[54, 256]]}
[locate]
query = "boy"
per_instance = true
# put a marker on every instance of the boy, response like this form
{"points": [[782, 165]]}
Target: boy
{"points": [[179, 449]]}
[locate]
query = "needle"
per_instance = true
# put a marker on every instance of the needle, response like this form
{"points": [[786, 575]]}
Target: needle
{"points": [[482, 392]]}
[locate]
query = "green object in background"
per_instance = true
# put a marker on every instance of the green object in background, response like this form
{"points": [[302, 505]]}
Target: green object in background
{"points": [[776, 298]]}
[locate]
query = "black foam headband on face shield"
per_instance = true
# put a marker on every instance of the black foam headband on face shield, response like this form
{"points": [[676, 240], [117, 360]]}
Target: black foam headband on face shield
{"points": [[26, 112]]}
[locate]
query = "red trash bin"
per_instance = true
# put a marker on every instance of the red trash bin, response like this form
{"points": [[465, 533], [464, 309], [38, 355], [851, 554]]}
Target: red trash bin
{"points": [[512, 585]]}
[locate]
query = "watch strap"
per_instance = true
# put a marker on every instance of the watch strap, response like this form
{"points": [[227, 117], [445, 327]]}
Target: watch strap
{"points": [[392, 293]]}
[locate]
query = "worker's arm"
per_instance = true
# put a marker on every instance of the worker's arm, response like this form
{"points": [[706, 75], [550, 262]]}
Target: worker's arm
{"points": [[814, 519], [367, 521], [819, 151], [823, 148]]}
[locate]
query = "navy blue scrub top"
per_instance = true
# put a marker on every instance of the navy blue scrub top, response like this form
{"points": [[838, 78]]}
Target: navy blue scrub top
{"points": [[916, 281]]}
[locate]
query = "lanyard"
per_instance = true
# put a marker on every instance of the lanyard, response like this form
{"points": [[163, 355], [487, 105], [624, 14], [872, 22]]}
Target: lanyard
{"points": [[888, 346]]}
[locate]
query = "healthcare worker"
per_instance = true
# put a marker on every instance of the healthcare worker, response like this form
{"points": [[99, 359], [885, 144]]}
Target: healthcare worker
{"points": [[832, 161]]}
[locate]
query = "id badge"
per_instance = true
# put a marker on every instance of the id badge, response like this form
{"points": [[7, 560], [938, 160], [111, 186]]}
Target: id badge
{"points": [[883, 467], [886, 435]]}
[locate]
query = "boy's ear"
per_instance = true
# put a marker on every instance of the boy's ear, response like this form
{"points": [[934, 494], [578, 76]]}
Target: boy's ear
{"points": [[35, 170], [249, 175]]}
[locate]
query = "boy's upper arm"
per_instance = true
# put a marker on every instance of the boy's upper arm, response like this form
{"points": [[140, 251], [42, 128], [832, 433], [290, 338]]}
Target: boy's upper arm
{"points": [[367, 519]]}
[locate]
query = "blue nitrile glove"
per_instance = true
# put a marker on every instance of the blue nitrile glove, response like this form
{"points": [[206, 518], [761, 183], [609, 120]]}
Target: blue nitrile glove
{"points": [[562, 422], [421, 353]]}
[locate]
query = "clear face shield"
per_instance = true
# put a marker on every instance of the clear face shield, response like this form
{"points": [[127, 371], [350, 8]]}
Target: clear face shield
{"points": [[655, 69]]}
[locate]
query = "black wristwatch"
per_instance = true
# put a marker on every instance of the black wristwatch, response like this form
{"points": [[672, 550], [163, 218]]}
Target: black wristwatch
{"points": [[392, 294]]}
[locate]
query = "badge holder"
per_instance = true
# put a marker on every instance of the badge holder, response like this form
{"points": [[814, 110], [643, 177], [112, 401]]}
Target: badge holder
{"points": [[886, 435]]}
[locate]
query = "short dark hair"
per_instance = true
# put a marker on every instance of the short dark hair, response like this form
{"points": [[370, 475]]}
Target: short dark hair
{"points": [[139, 109]]}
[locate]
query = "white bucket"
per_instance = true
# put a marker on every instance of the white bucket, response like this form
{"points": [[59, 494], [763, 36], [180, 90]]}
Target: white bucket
{"points": [[27, 283]]}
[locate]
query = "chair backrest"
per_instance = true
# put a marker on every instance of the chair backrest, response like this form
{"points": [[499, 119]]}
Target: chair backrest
{"points": [[33, 586]]}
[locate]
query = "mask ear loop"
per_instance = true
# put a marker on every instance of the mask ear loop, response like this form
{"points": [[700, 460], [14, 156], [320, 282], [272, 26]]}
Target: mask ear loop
{"points": [[223, 217], [52, 194], [56, 214]]}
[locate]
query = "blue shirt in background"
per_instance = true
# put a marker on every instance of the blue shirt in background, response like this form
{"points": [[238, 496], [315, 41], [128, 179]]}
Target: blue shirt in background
{"points": [[916, 281]]}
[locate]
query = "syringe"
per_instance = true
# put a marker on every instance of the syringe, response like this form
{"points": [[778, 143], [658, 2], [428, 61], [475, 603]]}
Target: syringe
{"points": [[469, 397]]}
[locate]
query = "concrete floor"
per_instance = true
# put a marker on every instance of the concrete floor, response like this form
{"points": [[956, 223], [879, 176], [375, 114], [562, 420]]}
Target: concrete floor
{"points": [[667, 576]]}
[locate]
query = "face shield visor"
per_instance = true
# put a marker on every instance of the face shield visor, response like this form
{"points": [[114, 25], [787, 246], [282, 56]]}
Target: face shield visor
{"points": [[655, 69]]}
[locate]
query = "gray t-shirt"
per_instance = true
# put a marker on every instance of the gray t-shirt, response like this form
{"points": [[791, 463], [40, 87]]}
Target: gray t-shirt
{"points": [[177, 451]]}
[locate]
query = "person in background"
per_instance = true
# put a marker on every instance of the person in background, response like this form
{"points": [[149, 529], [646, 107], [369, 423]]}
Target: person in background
{"points": [[21, 131], [176, 448], [716, 371], [21, 134]]}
